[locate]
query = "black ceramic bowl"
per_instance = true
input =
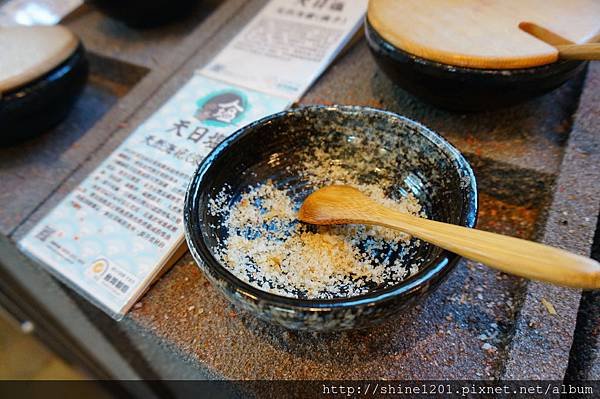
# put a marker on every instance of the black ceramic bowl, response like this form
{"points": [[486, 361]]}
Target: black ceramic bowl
{"points": [[145, 13], [466, 89], [37, 106], [424, 164]]}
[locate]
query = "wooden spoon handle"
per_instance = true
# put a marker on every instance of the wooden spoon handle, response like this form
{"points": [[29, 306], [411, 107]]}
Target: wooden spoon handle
{"points": [[588, 51], [508, 254]]}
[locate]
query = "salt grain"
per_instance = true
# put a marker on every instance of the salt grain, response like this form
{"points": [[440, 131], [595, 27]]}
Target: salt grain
{"points": [[269, 248]]}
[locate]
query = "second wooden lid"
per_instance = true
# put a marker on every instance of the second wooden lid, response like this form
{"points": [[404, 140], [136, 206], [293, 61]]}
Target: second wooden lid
{"points": [[27, 53], [484, 34]]}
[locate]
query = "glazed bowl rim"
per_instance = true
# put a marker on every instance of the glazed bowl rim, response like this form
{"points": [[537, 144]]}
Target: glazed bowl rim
{"points": [[369, 28], [437, 267]]}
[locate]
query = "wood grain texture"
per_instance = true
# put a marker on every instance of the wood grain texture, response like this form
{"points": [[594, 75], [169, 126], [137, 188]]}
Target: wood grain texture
{"points": [[588, 51], [344, 204], [484, 34], [27, 53]]}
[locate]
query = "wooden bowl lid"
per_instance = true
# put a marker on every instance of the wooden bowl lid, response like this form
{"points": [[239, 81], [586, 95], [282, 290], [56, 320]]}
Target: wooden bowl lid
{"points": [[485, 34], [29, 52]]}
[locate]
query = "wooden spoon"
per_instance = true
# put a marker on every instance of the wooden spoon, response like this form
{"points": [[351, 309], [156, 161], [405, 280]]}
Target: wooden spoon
{"points": [[567, 50], [347, 205], [583, 52]]}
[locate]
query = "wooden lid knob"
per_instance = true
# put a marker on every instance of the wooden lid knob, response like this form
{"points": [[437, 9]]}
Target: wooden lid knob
{"points": [[484, 34], [29, 52]]}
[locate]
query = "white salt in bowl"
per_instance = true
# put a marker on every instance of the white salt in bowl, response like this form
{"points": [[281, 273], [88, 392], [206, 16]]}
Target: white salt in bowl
{"points": [[376, 146]]}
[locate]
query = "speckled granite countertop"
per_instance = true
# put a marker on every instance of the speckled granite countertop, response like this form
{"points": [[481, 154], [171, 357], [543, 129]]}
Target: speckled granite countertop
{"points": [[538, 167]]}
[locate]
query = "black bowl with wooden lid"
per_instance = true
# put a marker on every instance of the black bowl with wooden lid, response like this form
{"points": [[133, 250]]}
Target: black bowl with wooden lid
{"points": [[472, 55], [42, 73]]}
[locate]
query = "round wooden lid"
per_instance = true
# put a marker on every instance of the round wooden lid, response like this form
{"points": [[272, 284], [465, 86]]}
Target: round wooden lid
{"points": [[29, 52], [487, 34]]}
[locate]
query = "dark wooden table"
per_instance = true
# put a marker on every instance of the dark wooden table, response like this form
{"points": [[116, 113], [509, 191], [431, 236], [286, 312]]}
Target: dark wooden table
{"points": [[538, 167]]}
